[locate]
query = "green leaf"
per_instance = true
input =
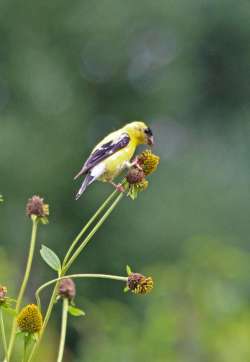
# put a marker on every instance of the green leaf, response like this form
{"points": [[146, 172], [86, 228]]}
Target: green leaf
{"points": [[34, 337], [76, 312], [9, 310], [133, 192], [28, 338], [126, 289], [50, 258], [11, 300], [128, 269], [19, 333], [44, 220]]}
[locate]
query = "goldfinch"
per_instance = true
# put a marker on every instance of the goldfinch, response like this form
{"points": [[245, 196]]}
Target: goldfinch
{"points": [[113, 154]]}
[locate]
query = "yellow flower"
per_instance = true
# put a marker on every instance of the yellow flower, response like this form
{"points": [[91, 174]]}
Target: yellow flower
{"points": [[30, 319], [139, 284], [148, 162]]}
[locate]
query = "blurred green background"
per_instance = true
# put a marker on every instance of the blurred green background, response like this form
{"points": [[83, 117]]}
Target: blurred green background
{"points": [[69, 74]]}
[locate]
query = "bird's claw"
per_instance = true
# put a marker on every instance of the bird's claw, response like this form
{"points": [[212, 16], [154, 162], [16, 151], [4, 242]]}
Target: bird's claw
{"points": [[118, 187], [136, 164]]}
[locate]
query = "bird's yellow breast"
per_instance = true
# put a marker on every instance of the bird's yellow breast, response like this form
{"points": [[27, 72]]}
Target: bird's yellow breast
{"points": [[116, 163]]}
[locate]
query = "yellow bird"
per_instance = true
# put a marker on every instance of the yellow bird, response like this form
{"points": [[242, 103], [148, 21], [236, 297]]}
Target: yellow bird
{"points": [[113, 154]]}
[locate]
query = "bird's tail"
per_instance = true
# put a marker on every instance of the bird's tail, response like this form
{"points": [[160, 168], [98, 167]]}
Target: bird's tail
{"points": [[86, 182]]}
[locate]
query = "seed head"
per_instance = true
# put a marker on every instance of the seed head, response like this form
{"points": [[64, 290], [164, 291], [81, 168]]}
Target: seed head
{"points": [[30, 319], [3, 293], [139, 284], [135, 175], [67, 288], [148, 161], [36, 207]]}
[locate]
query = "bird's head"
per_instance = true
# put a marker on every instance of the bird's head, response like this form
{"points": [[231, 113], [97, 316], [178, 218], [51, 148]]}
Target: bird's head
{"points": [[141, 132]]}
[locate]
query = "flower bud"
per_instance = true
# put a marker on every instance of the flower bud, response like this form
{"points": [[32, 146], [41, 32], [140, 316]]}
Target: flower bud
{"points": [[3, 293], [37, 208], [67, 288]]}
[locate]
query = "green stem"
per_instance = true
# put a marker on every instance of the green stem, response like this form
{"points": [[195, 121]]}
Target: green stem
{"points": [[85, 228], [3, 335], [45, 322], [72, 276], [92, 233], [66, 267], [24, 283], [25, 348], [63, 329]]}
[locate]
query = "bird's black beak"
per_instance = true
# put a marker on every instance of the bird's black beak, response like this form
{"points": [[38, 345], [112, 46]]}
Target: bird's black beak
{"points": [[150, 137], [151, 141]]}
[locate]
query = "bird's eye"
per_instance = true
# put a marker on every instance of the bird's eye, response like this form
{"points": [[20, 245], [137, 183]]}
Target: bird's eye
{"points": [[148, 131]]}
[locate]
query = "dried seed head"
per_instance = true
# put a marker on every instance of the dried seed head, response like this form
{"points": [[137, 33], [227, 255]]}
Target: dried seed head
{"points": [[135, 175], [67, 288], [36, 207], [30, 319], [148, 161], [3, 293], [139, 284]]}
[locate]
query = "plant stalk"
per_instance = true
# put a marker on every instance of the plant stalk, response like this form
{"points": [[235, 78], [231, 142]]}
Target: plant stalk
{"points": [[72, 276], [63, 329], [92, 233], [45, 322], [3, 335], [68, 264], [85, 228], [24, 283], [25, 341]]}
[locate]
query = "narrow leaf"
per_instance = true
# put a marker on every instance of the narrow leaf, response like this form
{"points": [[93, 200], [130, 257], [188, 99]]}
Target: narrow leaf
{"points": [[50, 258], [128, 269], [9, 310], [34, 337], [19, 333], [76, 312]]}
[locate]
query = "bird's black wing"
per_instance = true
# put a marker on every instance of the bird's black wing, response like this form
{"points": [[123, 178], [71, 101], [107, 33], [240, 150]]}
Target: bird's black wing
{"points": [[104, 151]]}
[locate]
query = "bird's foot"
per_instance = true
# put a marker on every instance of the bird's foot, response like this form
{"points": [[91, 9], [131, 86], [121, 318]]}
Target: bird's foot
{"points": [[134, 163], [118, 187]]}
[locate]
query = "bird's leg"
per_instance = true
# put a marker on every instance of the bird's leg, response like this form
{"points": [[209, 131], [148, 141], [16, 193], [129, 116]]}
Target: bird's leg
{"points": [[118, 187], [134, 163]]}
